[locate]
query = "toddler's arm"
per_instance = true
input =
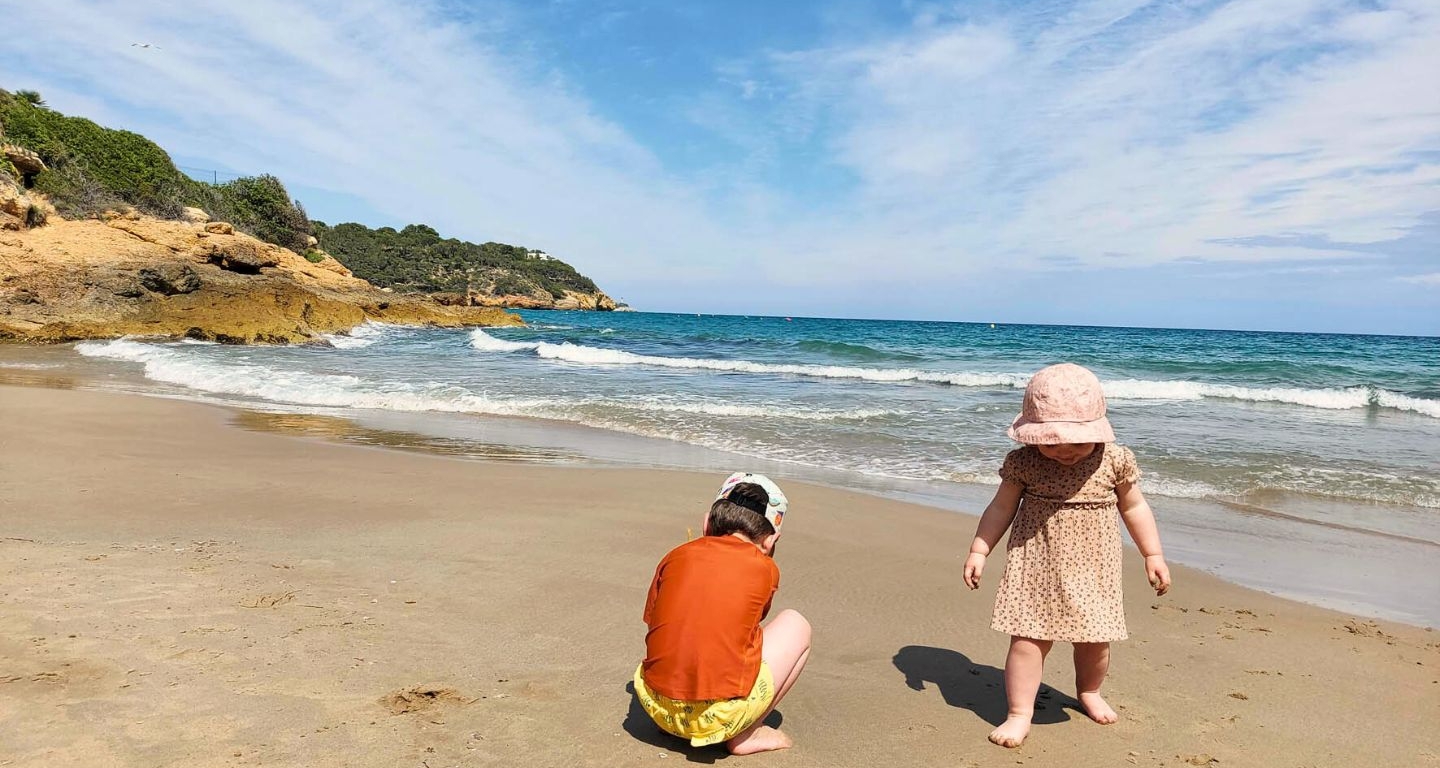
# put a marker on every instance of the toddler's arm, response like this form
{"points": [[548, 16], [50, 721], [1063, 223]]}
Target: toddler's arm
{"points": [[1140, 521], [997, 518]]}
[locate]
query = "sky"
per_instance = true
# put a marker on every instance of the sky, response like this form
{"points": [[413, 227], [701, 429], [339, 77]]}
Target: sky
{"points": [[1261, 164]]}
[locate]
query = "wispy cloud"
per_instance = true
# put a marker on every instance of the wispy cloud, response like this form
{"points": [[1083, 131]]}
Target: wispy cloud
{"points": [[1431, 279], [1148, 132], [422, 115]]}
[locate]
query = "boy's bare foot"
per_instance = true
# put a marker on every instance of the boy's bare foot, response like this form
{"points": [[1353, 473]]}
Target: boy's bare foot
{"points": [[1097, 709], [762, 739], [1012, 732]]}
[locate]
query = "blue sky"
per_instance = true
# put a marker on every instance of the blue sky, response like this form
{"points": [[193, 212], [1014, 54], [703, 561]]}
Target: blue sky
{"points": [[1246, 164]]}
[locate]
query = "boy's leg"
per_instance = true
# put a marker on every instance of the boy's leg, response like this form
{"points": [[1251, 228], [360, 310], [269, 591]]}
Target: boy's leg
{"points": [[1092, 663], [786, 649], [1024, 666]]}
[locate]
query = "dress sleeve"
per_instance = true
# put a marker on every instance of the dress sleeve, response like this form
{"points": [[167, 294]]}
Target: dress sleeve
{"points": [[1127, 472], [1010, 469]]}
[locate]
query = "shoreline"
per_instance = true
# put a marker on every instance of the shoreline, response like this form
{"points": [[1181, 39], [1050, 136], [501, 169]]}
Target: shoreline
{"points": [[1338, 565], [197, 594]]}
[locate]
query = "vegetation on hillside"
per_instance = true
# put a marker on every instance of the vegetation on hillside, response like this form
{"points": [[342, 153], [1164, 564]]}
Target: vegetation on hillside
{"points": [[417, 258], [91, 169]]}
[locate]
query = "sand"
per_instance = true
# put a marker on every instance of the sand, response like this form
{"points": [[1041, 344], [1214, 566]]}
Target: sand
{"points": [[179, 591]]}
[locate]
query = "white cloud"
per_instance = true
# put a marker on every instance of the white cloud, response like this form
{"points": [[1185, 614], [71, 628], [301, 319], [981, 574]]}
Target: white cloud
{"points": [[1431, 279], [1152, 131], [423, 118]]}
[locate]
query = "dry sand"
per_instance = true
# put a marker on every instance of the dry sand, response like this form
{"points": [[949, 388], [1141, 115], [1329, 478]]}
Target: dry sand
{"points": [[175, 591]]}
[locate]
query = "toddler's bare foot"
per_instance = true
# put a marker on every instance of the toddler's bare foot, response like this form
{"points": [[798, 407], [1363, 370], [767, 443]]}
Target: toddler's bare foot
{"points": [[1097, 709], [762, 739], [1012, 732]]}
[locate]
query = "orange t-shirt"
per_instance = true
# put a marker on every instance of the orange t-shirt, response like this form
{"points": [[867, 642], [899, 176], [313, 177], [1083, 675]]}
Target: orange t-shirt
{"points": [[704, 612]]}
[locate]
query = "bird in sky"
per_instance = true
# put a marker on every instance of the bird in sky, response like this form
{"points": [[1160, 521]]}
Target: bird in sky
{"points": [[145, 45]]}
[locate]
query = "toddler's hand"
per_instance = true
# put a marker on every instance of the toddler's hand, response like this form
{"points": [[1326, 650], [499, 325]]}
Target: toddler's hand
{"points": [[1158, 573], [974, 566]]}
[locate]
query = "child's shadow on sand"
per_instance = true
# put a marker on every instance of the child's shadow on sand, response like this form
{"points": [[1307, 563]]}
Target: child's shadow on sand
{"points": [[638, 724], [976, 687]]}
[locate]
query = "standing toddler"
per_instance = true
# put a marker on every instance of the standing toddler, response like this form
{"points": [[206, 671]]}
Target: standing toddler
{"points": [[1059, 496]]}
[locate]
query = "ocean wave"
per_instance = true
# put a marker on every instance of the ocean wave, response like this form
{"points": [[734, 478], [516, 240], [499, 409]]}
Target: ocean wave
{"points": [[359, 337], [484, 341], [1330, 399], [1121, 389], [297, 388], [172, 366], [852, 351], [579, 353], [1177, 488], [750, 411], [30, 366]]}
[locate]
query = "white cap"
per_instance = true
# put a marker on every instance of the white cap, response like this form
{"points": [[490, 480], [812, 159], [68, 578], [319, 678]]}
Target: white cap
{"points": [[775, 510]]}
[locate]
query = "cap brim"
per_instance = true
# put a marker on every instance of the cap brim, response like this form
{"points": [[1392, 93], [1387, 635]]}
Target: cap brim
{"points": [[1061, 432]]}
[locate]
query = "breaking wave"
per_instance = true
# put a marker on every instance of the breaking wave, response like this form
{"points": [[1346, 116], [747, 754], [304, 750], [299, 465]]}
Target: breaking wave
{"points": [[1122, 389], [278, 385]]}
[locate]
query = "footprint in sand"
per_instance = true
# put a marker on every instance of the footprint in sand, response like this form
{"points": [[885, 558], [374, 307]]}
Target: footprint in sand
{"points": [[421, 698], [268, 600]]}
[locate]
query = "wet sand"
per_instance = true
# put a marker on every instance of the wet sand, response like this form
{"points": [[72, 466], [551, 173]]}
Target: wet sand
{"points": [[177, 591]]}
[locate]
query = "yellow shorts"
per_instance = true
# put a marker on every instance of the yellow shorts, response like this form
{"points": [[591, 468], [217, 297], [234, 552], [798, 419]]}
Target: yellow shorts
{"points": [[713, 720]]}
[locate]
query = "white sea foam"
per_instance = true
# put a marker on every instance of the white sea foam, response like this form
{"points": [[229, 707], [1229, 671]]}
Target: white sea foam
{"points": [[1122, 389], [579, 353], [1387, 399], [484, 341], [1331, 399], [1176, 488], [299, 388], [800, 413], [30, 366], [359, 337], [173, 366]]}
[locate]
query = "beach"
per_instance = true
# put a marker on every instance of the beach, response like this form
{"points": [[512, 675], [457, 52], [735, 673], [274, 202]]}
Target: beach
{"points": [[1326, 442], [178, 590]]}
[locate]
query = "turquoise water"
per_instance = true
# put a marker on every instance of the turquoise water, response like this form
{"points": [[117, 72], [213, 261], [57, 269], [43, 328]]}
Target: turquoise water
{"points": [[1316, 455]]}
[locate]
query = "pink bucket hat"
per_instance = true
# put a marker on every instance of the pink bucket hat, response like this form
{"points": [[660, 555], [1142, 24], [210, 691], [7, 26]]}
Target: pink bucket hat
{"points": [[1063, 404]]}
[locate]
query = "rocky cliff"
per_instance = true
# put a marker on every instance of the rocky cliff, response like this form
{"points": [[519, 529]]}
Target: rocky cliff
{"points": [[126, 274]]}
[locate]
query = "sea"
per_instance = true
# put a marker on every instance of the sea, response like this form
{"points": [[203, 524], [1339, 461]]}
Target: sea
{"points": [[1307, 465]]}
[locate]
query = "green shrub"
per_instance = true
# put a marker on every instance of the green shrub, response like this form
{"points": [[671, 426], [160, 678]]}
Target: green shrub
{"points": [[313, 256], [510, 285], [35, 216], [261, 206], [73, 192], [416, 258], [91, 169]]}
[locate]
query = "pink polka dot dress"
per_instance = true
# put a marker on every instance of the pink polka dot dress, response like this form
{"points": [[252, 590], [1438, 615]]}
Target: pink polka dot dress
{"points": [[1062, 573]]}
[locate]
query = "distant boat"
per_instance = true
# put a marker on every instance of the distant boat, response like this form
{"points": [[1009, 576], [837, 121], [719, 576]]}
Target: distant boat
{"points": [[992, 326], [788, 320]]}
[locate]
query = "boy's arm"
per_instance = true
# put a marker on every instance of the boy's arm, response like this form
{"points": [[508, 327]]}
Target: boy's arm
{"points": [[654, 591], [774, 587], [1140, 521], [993, 523]]}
